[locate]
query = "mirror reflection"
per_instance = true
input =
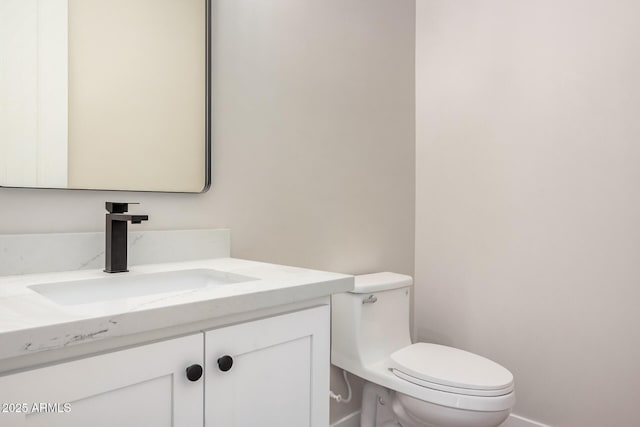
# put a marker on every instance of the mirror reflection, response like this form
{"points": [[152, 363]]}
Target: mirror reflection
{"points": [[104, 94]]}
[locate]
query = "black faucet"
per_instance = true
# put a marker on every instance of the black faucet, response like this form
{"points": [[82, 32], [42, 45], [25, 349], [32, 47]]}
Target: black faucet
{"points": [[115, 260]]}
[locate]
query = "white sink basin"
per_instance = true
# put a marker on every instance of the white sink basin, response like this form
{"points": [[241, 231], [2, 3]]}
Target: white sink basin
{"points": [[124, 285]]}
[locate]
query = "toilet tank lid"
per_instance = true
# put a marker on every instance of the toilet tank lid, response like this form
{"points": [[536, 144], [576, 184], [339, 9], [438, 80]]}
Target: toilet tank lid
{"points": [[368, 283]]}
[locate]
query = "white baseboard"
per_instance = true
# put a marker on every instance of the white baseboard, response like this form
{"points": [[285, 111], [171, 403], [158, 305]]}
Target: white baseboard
{"points": [[518, 421], [351, 420]]}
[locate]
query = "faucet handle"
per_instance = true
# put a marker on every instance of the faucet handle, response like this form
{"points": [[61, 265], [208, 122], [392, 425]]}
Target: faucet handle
{"points": [[118, 207]]}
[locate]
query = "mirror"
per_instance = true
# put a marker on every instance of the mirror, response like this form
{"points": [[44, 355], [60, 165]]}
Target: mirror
{"points": [[105, 94]]}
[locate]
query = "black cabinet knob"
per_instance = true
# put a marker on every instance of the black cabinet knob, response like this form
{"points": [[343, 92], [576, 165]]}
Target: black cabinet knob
{"points": [[225, 363], [194, 372]]}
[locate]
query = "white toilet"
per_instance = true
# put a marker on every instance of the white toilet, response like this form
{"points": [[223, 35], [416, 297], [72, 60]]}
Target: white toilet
{"points": [[411, 385]]}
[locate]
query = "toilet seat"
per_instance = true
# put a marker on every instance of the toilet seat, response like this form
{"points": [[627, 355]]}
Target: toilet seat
{"points": [[455, 390], [381, 373], [451, 370]]}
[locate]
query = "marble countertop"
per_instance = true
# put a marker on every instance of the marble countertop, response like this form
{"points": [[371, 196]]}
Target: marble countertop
{"points": [[31, 323]]}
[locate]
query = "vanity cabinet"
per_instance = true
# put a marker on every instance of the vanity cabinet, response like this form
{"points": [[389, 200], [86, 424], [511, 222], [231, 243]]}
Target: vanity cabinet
{"points": [[266, 372], [141, 386], [270, 372]]}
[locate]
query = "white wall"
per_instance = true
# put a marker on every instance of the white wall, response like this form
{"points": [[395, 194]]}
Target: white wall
{"points": [[527, 206], [313, 142]]}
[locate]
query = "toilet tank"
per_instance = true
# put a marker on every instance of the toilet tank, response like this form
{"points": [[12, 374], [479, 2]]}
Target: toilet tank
{"points": [[370, 322]]}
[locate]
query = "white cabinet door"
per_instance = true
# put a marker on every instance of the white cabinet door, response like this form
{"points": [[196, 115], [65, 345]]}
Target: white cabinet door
{"points": [[143, 387], [279, 376]]}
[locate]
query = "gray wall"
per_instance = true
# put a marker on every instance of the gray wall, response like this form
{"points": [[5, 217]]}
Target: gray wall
{"points": [[313, 157], [527, 237]]}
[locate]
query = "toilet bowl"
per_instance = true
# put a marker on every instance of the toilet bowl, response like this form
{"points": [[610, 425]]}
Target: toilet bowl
{"points": [[411, 385]]}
